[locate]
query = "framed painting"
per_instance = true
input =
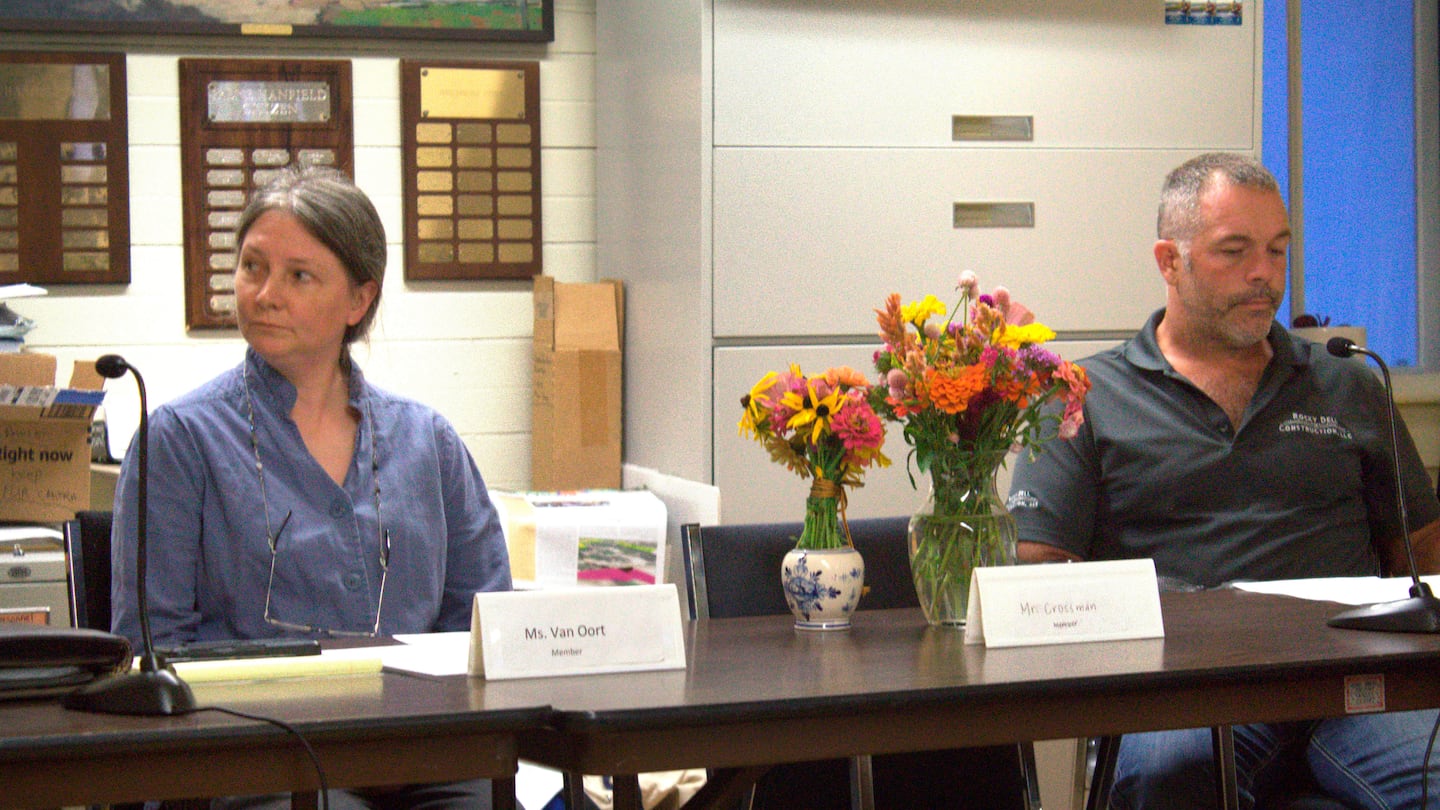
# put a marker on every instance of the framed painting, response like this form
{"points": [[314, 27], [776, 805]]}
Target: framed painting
{"points": [[497, 20]]}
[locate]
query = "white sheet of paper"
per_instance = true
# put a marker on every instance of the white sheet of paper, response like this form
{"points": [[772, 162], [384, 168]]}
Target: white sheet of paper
{"points": [[577, 631], [1064, 603], [1345, 590], [434, 654]]}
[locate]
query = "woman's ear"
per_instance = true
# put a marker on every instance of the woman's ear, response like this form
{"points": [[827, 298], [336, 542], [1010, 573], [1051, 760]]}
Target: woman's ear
{"points": [[362, 297]]}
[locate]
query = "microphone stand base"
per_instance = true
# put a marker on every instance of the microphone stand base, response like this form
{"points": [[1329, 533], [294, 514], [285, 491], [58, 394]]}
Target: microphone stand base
{"points": [[157, 692], [1418, 614]]}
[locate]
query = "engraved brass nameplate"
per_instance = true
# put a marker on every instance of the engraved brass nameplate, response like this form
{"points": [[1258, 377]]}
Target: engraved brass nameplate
{"points": [[472, 93], [268, 102]]}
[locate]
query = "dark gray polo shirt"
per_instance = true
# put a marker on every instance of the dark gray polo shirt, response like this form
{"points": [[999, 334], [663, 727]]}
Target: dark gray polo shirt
{"points": [[1299, 490]]}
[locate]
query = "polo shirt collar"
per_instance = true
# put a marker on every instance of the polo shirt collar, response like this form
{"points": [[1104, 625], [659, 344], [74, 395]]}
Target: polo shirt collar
{"points": [[1143, 350]]}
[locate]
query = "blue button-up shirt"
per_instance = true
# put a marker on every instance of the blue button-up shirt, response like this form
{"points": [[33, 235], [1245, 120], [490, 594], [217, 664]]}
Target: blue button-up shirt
{"points": [[209, 557]]}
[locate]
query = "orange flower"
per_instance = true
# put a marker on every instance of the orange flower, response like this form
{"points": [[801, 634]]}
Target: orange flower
{"points": [[846, 377], [952, 393], [1018, 389]]}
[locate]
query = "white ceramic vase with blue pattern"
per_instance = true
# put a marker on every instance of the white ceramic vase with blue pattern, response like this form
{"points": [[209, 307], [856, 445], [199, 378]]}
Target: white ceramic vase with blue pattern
{"points": [[823, 586]]}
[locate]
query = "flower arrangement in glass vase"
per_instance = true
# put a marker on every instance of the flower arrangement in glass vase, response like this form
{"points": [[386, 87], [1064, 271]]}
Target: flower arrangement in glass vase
{"points": [[822, 427], [968, 387]]}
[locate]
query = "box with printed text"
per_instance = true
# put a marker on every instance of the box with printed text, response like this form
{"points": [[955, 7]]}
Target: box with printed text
{"points": [[45, 438]]}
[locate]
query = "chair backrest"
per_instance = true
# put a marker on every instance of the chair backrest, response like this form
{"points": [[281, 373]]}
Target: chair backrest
{"points": [[87, 555], [735, 570]]}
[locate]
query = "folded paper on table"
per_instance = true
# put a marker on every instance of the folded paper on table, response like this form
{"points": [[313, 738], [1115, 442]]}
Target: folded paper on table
{"points": [[350, 661], [577, 631], [1064, 603], [433, 654], [1345, 590]]}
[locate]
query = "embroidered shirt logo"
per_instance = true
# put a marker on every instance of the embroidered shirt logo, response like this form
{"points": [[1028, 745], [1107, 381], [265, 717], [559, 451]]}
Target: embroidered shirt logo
{"points": [[1315, 426], [1022, 499]]}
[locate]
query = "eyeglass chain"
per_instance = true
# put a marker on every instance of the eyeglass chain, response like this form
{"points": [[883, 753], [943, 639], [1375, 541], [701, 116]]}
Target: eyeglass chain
{"points": [[260, 469]]}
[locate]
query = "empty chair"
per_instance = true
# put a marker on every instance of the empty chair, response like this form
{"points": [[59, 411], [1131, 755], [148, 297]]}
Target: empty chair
{"points": [[87, 569]]}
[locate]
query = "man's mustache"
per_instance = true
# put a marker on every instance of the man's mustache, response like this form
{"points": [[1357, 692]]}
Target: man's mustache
{"points": [[1272, 297]]}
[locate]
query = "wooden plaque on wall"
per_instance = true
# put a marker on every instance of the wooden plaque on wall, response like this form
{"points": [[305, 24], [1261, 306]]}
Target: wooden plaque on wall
{"points": [[470, 149], [241, 122], [64, 169]]}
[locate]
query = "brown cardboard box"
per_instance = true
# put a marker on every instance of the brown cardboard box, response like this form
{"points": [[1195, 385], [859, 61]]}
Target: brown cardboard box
{"points": [[576, 400], [45, 438]]}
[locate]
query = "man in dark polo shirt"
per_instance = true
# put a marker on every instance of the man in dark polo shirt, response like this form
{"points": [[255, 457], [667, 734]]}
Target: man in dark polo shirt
{"points": [[1224, 448]]}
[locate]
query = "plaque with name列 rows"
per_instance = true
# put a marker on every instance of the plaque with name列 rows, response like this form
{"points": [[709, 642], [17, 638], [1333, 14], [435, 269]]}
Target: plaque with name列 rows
{"points": [[470, 152], [242, 122], [64, 169]]}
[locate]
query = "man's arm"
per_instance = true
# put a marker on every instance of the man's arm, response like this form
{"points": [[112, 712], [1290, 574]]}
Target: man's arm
{"points": [[1032, 552], [1425, 540]]}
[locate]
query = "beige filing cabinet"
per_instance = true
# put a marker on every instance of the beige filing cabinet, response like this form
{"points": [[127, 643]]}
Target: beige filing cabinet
{"points": [[768, 171], [32, 578]]}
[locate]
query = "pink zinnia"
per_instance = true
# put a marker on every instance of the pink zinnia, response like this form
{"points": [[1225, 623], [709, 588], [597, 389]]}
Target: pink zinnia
{"points": [[858, 427]]}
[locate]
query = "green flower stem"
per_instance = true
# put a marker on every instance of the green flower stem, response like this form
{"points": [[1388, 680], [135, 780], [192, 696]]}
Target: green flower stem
{"points": [[968, 527], [822, 524]]}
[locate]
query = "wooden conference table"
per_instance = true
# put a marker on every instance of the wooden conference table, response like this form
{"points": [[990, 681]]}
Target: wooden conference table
{"points": [[368, 729], [755, 692]]}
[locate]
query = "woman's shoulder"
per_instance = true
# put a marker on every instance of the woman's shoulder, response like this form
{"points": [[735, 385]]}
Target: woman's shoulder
{"points": [[202, 399], [392, 408]]}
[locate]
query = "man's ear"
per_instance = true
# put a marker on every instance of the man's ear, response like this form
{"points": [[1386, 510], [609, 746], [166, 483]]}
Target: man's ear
{"points": [[1167, 259]]}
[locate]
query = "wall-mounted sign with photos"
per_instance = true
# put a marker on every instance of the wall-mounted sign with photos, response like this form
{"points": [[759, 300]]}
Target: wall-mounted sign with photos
{"points": [[64, 163], [470, 149], [494, 20], [241, 122]]}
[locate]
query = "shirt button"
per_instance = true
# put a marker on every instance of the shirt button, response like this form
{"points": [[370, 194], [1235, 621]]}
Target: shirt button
{"points": [[352, 582], [338, 508]]}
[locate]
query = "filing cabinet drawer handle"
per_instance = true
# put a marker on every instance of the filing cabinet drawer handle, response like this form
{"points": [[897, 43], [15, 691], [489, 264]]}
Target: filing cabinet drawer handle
{"points": [[995, 215], [992, 127]]}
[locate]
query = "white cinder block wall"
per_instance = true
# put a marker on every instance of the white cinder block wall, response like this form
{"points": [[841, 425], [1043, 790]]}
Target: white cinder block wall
{"points": [[462, 347]]}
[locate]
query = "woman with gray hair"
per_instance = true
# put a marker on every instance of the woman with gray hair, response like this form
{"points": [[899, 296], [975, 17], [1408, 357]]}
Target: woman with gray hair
{"points": [[289, 496]]}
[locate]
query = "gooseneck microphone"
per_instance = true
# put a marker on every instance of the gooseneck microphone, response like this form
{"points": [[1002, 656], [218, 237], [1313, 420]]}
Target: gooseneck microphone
{"points": [[1421, 612], [155, 689]]}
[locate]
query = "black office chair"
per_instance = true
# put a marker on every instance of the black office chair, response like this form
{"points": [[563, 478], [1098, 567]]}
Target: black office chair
{"points": [[87, 569], [734, 571]]}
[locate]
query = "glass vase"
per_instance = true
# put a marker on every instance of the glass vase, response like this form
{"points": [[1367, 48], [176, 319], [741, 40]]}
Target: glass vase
{"points": [[963, 525]]}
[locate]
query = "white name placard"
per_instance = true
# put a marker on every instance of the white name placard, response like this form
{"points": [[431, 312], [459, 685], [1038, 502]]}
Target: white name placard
{"points": [[575, 631], [1061, 603]]}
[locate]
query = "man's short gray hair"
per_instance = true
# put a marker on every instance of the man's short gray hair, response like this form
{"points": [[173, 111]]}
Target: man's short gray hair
{"points": [[1179, 217], [335, 211]]}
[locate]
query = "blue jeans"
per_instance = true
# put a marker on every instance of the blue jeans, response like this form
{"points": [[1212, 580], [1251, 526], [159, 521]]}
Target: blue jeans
{"points": [[1367, 761]]}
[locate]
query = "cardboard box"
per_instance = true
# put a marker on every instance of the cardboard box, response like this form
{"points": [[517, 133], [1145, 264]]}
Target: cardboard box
{"points": [[576, 400], [594, 537], [45, 438]]}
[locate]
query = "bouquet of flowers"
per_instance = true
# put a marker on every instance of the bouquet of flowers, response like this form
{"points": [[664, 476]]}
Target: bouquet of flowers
{"points": [[974, 384], [822, 427], [968, 386]]}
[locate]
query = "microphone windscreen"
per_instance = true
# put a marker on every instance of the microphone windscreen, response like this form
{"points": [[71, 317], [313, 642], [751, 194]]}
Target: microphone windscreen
{"points": [[1340, 346], [112, 366]]}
